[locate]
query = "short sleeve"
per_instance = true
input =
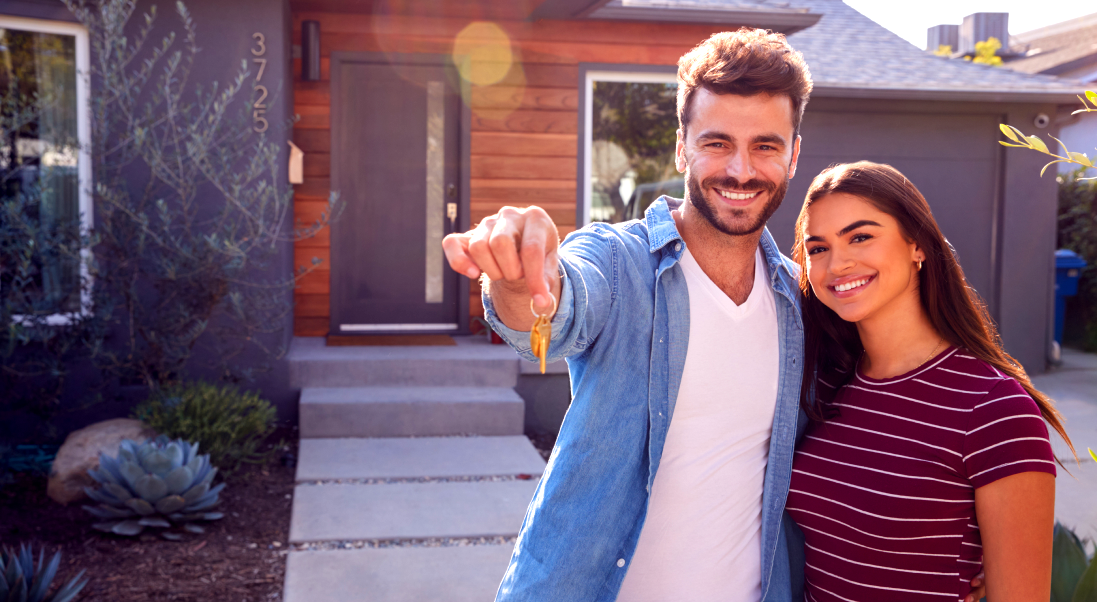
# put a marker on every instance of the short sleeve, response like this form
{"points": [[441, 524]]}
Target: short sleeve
{"points": [[1006, 435]]}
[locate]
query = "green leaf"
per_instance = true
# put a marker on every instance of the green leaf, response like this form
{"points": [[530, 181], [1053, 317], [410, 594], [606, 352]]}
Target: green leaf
{"points": [[1050, 164], [1092, 454], [1087, 586], [1008, 132], [1068, 563], [1092, 96], [1080, 158], [1037, 144], [1004, 143], [1066, 150]]}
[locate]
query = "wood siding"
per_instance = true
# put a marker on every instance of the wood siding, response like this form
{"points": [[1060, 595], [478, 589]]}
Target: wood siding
{"points": [[524, 128]]}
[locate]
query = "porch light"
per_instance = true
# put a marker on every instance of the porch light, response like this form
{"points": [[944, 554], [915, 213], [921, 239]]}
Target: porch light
{"points": [[310, 51]]}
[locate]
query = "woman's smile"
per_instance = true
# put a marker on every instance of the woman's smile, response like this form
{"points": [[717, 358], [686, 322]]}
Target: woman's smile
{"points": [[848, 286]]}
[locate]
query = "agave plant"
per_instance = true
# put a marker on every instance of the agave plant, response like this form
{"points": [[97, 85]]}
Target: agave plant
{"points": [[21, 581], [159, 483]]}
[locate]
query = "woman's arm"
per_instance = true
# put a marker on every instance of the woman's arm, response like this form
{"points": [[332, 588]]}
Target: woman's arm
{"points": [[1016, 517]]}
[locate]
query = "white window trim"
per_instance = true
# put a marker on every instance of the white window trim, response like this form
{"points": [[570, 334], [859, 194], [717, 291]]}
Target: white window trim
{"points": [[642, 77], [83, 133]]}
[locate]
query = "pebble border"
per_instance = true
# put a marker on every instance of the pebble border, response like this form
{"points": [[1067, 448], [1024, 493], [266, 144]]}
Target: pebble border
{"points": [[479, 479], [446, 542]]}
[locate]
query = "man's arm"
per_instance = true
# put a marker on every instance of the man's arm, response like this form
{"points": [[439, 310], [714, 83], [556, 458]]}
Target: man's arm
{"points": [[516, 251]]}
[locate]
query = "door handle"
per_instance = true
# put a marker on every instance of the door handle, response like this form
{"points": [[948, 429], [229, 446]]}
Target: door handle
{"points": [[451, 213]]}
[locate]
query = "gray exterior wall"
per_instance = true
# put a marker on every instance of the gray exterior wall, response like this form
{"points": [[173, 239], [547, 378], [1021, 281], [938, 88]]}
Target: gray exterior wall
{"points": [[225, 31]]}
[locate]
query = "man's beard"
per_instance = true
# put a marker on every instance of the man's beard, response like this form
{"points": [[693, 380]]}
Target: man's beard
{"points": [[695, 196]]}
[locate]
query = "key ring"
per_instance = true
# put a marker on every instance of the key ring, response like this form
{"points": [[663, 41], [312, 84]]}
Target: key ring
{"points": [[534, 312]]}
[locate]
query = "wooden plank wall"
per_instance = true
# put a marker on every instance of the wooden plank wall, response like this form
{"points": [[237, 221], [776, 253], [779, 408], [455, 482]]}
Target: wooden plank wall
{"points": [[524, 128]]}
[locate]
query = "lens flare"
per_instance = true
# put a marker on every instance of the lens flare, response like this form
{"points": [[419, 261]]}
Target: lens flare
{"points": [[482, 52]]}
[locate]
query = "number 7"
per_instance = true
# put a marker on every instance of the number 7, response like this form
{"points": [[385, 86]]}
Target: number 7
{"points": [[262, 67]]}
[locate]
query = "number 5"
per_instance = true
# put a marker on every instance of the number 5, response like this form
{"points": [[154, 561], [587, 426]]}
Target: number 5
{"points": [[257, 115]]}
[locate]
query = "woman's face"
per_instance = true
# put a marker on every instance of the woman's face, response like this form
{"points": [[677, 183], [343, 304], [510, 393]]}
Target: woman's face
{"points": [[859, 262]]}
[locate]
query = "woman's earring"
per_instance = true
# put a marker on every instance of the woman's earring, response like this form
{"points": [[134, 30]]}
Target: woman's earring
{"points": [[919, 266]]}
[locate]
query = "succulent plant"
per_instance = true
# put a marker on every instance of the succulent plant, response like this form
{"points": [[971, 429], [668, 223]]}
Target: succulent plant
{"points": [[21, 581], [159, 483]]}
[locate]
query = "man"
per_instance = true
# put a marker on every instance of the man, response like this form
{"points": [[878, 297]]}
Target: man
{"points": [[691, 312]]}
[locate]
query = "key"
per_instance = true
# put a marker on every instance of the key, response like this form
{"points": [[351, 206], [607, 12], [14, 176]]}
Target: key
{"points": [[541, 334], [544, 329]]}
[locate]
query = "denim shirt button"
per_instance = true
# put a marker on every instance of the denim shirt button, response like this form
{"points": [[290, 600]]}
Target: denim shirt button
{"points": [[677, 247], [620, 562]]}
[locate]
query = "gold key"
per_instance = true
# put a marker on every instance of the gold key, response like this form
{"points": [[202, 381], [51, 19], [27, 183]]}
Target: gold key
{"points": [[541, 333]]}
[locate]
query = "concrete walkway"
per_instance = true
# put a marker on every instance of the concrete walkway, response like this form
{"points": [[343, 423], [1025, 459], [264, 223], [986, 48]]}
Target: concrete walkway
{"points": [[1073, 386], [413, 478]]}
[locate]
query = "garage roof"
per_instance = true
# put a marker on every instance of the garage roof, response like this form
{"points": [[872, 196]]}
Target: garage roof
{"points": [[851, 55]]}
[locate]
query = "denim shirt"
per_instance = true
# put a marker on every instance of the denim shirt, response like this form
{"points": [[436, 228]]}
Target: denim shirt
{"points": [[623, 324]]}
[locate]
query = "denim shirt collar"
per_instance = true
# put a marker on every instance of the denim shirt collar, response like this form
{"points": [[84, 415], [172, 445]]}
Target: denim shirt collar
{"points": [[663, 230]]}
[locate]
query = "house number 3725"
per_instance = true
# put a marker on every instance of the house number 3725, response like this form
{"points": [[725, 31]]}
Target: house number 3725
{"points": [[260, 107]]}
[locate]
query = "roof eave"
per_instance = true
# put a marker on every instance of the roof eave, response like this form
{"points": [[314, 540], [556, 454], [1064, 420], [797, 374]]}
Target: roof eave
{"points": [[779, 21], [946, 94]]}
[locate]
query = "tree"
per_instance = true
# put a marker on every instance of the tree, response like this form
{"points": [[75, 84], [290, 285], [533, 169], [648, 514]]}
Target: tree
{"points": [[986, 52], [189, 211]]}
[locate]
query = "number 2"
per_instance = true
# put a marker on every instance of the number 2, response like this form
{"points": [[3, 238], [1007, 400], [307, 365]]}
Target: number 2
{"points": [[259, 103], [262, 41]]}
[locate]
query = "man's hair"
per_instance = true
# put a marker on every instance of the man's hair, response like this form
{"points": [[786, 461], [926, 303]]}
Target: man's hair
{"points": [[745, 62]]}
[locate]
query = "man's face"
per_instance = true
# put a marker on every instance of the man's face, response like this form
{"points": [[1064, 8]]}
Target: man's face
{"points": [[738, 156]]}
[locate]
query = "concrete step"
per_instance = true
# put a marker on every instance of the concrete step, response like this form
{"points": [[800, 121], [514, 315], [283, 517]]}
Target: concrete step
{"points": [[332, 459], [409, 510], [407, 574], [312, 364], [393, 411]]}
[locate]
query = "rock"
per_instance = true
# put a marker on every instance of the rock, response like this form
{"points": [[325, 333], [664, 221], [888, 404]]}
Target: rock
{"points": [[80, 453]]}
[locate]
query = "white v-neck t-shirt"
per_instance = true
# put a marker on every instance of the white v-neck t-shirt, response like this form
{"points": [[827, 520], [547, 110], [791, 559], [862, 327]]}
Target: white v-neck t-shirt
{"points": [[701, 539]]}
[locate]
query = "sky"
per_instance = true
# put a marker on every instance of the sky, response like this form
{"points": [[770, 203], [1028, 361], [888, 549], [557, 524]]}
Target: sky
{"points": [[910, 20]]}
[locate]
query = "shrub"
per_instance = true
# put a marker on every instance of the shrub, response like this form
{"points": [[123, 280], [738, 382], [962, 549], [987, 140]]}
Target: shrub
{"points": [[21, 580], [228, 424], [1073, 575], [1078, 232]]}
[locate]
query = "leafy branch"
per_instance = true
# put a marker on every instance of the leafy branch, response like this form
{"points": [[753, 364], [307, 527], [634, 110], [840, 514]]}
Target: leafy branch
{"points": [[1033, 142]]}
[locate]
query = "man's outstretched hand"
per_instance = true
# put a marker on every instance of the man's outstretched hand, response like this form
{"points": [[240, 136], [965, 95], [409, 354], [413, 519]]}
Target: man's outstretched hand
{"points": [[517, 250]]}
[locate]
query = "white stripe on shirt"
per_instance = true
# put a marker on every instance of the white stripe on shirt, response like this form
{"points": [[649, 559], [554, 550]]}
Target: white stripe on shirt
{"points": [[894, 495], [929, 424]]}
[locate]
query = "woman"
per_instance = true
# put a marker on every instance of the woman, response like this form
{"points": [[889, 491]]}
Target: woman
{"points": [[927, 458]]}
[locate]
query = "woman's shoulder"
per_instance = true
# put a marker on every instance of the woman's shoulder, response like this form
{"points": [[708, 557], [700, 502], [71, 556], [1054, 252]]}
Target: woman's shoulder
{"points": [[982, 383]]}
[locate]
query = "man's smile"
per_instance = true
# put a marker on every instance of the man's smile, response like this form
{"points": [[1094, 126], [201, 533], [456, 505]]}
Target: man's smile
{"points": [[738, 196]]}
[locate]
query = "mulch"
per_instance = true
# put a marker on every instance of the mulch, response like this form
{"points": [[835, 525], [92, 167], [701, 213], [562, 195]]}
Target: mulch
{"points": [[240, 558]]}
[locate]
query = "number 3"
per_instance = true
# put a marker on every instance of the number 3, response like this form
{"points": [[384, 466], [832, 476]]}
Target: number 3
{"points": [[261, 40]]}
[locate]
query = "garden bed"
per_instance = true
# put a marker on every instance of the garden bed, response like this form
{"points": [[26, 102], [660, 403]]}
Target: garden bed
{"points": [[240, 558]]}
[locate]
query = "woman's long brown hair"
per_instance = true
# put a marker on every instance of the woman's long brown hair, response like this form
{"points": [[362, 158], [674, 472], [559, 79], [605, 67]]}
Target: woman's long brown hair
{"points": [[832, 345]]}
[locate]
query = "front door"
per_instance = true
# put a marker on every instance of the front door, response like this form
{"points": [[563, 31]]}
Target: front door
{"points": [[396, 165]]}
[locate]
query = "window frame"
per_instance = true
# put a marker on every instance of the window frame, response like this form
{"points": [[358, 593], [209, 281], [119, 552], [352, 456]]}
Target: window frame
{"points": [[83, 136], [605, 72]]}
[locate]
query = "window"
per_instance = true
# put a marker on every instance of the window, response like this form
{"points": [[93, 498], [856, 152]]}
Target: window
{"points": [[44, 140], [629, 130]]}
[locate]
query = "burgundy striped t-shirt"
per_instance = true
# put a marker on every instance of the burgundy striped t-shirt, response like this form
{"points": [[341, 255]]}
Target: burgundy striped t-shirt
{"points": [[885, 491]]}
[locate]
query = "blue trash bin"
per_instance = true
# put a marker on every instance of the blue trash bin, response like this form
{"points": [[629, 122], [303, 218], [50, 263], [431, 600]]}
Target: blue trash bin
{"points": [[1068, 268]]}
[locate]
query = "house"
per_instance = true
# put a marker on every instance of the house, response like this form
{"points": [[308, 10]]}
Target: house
{"points": [[427, 115], [1065, 50]]}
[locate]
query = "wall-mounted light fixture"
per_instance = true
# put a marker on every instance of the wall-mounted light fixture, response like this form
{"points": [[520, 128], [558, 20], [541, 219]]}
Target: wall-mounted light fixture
{"points": [[310, 51]]}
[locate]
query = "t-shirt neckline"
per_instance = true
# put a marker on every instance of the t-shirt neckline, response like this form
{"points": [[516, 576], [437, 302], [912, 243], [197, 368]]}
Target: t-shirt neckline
{"points": [[924, 367], [736, 312]]}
